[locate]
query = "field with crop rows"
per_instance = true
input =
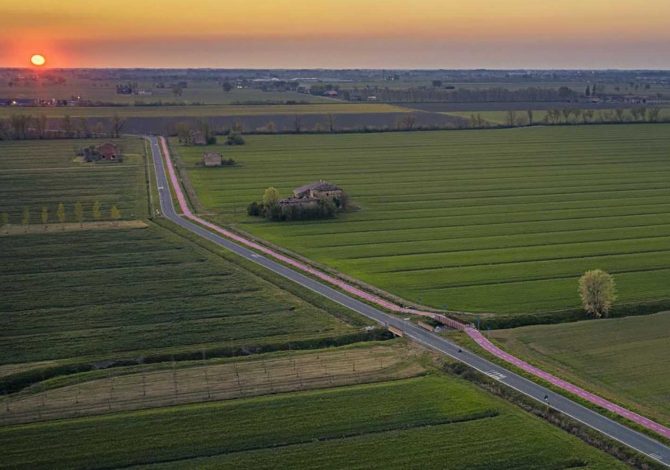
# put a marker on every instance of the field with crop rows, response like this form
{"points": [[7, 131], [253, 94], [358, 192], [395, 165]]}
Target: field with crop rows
{"points": [[487, 221], [44, 173], [623, 358], [427, 422], [122, 293]]}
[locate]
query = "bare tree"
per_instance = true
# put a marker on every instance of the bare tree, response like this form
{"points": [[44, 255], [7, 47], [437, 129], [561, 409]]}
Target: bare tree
{"points": [[620, 114], [41, 126], [117, 126], [511, 118], [68, 128], [653, 114]]}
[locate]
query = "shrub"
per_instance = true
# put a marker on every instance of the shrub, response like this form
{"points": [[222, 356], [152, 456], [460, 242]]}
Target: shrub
{"points": [[235, 139]]}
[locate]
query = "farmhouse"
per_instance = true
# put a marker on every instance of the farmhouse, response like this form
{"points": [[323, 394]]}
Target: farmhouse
{"points": [[196, 137], [108, 152], [310, 194], [318, 189], [330, 93], [211, 159]]}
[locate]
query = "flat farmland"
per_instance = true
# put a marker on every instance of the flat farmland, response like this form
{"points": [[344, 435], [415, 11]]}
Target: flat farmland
{"points": [[203, 110], [500, 221], [126, 293], [44, 173], [624, 359], [203, 92], [429, 422]]}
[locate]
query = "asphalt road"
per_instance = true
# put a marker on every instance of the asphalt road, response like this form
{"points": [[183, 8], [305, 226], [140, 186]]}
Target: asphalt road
{"points": [[617, 431]]}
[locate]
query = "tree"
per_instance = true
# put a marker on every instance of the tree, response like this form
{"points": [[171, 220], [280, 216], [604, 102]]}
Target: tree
{"points": [[25, 217], [597, 291], [44, 216], [529, 113], [117, 126], [183, 130], [41, 125], [227, 86], [234, 138], [96, 210], [620, 114], [177, 90], [437, 83], [588, 91], [254, 209], [587, 115], [68, 127], [653, 114], [84, 129], [115, 213], [270, 197], [60, 213], [511, 118], [297, 124], [79, 212], [331, 123]]}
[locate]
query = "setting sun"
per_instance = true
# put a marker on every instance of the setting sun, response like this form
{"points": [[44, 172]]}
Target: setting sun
{"points": [[38, 60]]}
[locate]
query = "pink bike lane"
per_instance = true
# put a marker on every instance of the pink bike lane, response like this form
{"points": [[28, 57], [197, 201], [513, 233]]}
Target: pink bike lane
{"points": [[473, 333]]}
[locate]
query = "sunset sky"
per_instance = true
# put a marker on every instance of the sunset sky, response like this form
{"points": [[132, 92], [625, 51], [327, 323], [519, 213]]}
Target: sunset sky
{"points": [[343, 33]]}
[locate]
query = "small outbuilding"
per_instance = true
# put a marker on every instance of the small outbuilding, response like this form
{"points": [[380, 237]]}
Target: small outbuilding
{"points": [[211, 159]]}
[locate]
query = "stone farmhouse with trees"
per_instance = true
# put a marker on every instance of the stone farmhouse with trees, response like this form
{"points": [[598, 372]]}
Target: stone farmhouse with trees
{"points": [[317, 200], [107, 152]]}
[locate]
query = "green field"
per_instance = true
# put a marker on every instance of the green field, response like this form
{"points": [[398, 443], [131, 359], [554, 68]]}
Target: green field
{"points": [[37, 174], [622, 358], [202, 111], [429, 422], [121, 292], [487, 221]]}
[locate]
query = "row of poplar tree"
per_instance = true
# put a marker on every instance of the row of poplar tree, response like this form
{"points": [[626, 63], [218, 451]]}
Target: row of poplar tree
{"points": [[62, 216]]}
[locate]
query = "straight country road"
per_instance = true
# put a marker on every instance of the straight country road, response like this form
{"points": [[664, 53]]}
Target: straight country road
{"points": [[627, 436]]}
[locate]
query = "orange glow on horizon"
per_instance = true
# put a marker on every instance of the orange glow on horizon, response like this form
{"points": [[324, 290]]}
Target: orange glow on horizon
{"points": [[233, 33]]}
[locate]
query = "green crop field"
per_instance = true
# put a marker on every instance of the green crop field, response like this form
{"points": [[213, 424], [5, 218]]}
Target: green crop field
{"points": [[622, 358], [203, 111], [498, 221], [427, 422], [120, 293], [37, 174]]}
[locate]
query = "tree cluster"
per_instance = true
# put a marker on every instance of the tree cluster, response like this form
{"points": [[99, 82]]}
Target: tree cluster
{"points": [[271, 209], [464, 95]]}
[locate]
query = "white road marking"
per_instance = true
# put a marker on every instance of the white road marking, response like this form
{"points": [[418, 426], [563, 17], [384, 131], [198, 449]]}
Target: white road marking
{"points": [[496, 375]]}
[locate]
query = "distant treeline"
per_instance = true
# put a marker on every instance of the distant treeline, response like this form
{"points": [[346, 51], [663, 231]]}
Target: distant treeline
{"points": [[465, 95]]}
